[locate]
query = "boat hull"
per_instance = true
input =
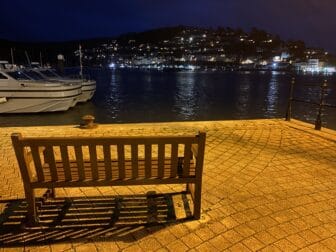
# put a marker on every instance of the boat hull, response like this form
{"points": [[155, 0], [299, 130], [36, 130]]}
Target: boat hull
{"points": [[30, 98], [88, 87], [88, 90], [36, 105]]}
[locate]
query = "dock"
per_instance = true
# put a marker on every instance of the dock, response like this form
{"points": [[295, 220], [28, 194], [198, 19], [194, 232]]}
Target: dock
{"points": [[268, 185]]}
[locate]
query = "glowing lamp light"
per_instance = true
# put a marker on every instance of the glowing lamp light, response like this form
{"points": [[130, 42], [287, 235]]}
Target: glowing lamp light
{"points": [[191, 67], [277, 59], [247, 61], [330, 69], [112, 65]]}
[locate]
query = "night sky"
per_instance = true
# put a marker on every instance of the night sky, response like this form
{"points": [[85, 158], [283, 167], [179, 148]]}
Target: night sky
{"points": [[58, 20]]}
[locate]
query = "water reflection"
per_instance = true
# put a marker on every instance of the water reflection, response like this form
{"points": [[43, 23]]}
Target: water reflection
{"points": [[148, 82], [272, 96], [107, 98], [114, 96], [243, 101], [185, 97], [310, 93]]}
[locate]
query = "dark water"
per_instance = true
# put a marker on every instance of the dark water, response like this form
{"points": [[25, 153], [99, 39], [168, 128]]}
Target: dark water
{"points": [[138, 96]]}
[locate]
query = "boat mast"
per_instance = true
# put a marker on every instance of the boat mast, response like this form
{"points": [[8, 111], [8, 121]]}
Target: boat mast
{"points": [[28, 60], [12, 56], [80, 62], [41, 59]]}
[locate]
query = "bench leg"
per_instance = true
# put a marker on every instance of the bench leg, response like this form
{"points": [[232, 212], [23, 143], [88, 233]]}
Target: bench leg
{"points": [[32, 219], [197, 200], [195, 191]]}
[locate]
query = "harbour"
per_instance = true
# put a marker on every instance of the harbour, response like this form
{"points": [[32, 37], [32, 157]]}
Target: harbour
{"points": [[153, 96]]}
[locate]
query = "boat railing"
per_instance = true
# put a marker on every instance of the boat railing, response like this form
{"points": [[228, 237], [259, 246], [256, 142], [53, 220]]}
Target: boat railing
{"points": [[320, 103]]}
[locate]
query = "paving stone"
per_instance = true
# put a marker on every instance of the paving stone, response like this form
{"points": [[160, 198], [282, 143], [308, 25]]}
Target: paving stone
{"points": [[206, 247], [150, 244], [285, 245], [133, 248], [191, 240], [165, 237], [177, 245], [204, 233], [220, 242], [298, 241], [319, 248], [86, 247], [253, 244], [239, 247]]}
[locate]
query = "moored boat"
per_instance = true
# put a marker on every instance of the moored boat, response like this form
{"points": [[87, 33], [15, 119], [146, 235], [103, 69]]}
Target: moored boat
{"points": [[88, 86], [21, 94]]}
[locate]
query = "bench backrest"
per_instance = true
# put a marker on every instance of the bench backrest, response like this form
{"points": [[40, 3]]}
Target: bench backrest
{"points": [[107, 158]]}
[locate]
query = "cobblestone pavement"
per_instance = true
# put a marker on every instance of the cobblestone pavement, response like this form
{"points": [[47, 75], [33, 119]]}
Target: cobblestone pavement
{"points": [[268, 185]]}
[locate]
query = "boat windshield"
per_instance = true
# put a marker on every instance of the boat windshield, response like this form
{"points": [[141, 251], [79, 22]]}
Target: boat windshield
{"points": [[18, 75], [49, 73], [58, 74], [34, 75]]}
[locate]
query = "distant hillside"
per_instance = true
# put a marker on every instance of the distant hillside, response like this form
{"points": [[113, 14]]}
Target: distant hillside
{"points": [[50, 50], [233, 41], [152, 36]]}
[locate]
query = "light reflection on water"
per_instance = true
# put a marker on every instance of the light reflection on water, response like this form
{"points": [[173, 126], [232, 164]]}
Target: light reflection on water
{"points": [[185, 99], [135, 96], [272, 96], [243, 101], [113, 100]]}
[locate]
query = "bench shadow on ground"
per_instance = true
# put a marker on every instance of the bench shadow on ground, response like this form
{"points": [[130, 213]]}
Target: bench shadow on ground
{"points": [[113, 218]]}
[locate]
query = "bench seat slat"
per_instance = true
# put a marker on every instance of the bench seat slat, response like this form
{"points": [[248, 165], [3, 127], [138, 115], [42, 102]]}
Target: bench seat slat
{"points": [[50, 159], [161, 160], [80, 162], [65, 162], [135, 160], [148, 159], [121, 160], [115, 182], [174, 157], [37, 163], [186, 161], [93, 160], [107, 161]]}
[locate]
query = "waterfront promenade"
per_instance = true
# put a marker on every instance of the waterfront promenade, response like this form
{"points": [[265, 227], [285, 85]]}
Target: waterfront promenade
{"points": [[268, 185]]}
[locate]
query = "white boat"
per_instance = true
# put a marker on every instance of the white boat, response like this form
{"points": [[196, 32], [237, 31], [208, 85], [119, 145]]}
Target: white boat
{"points": [[21, 94], [88, 86]]}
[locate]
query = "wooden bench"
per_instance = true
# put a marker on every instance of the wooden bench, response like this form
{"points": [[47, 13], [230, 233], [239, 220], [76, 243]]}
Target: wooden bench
{"points": [[51, 162]]}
